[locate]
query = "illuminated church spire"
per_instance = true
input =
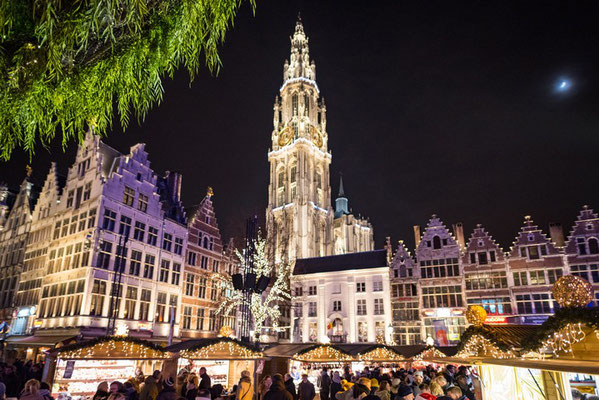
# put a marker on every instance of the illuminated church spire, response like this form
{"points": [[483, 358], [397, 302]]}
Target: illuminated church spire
{"points": [[299, 64]]}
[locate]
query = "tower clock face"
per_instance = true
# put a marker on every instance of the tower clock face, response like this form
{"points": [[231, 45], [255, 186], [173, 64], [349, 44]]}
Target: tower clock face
{"points": [[315, 136], [285, 136]]}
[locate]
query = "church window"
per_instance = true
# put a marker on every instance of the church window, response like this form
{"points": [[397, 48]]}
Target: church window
{"points": [[281, 178], [436, 242], [294, 104], [293, 173], [307, 104], [295, 130]]}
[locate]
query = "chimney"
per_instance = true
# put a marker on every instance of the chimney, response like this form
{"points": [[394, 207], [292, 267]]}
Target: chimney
{"points": [[557, 234], [417, 235], [458, 232], [173, 181]]}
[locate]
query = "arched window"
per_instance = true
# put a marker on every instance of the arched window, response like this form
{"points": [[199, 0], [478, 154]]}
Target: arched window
{"points": [[293, 173], [294, 103], [205, 242], [281, 178], [307, 104], [593, 246], [436, 242]]}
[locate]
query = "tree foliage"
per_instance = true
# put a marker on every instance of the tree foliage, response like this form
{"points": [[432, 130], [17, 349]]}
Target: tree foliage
{"points": [[65, 66], [264, 306]]}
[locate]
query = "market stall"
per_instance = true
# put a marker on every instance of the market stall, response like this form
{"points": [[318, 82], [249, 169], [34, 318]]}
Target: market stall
{"points": [[546, 362], [313, 359], [224, 358], [76, 370]]}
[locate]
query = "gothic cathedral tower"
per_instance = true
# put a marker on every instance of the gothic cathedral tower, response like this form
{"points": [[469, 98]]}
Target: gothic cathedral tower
{"points": [[299, 215]]}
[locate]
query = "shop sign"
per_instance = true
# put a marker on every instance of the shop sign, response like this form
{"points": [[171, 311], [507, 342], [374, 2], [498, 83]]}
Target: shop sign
{"points": [[454, 337], [37, 323], [496, 319], [145, 326], [68, 371], [535, 319]]}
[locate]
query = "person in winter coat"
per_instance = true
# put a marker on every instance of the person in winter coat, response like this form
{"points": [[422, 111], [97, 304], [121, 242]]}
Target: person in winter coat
{"points": [[101, 392], [264, 386], [405, 393], [168, 390], [191, 387], [130, 391], [245, 389], [462, 381], [358, 391], [149, 390], [277, 390], [31, 391], [335, 385], [290, 386], [383, 391], [306, 389], [205, 382], [325, 384]]}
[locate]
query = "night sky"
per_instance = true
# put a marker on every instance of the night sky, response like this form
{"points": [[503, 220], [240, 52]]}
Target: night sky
{"points": [[445, 107]]}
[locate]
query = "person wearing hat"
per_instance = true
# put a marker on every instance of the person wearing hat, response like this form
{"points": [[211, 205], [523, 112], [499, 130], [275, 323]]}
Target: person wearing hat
{"points": [[168, 390], [336, 385], [417, 381], [404, 392], [374, 385]]}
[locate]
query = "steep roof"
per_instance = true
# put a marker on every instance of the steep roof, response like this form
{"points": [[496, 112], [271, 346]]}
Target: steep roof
{"points": [[344, 262]]}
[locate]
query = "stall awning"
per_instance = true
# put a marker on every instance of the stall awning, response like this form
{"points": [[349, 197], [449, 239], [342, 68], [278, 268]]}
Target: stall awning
{"points": [[33, 340], [559, 365]]}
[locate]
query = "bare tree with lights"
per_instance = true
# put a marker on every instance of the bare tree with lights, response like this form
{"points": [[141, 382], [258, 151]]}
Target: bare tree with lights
{"points": [[265, 306]]}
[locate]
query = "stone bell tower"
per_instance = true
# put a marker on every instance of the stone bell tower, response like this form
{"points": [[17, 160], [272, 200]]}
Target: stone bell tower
{"points": [[299, 215]]}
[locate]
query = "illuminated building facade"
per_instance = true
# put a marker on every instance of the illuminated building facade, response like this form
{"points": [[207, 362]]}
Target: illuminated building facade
{"points": [[207, 264], [405, 297], [582, 248], [36, 255], [113, 213], [13, 239], [534, 264], [342, 298]]}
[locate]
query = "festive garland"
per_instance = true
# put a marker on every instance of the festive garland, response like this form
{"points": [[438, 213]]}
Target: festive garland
{"points": [[317, 351], [429, 352], [380, 352], [486, 333], [560, 320], [218, 340], [104, 339]]}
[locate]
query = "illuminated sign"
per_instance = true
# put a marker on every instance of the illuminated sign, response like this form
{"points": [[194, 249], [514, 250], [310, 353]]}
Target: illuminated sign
{"points": [[37, 323], [496, 319]]}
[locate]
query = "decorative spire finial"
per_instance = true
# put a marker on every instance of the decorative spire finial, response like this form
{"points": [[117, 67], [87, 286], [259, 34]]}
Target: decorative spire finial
{"points": [[341, 191], [209, 192]]}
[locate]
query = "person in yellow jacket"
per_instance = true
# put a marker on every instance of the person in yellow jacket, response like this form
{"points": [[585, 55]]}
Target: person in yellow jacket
{"points": [[245, 390]]}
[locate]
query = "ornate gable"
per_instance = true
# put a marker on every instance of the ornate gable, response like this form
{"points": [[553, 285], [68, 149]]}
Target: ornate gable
{"points": [[481, 241], [403, 263], [530, 235], [437, 240], [585, 227]]}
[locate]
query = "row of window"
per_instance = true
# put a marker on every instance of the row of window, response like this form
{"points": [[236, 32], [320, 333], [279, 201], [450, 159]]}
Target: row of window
{"points": [[74, 224], [69, 257], [378, 307], [139, 232], [442, 296], [537, 277], [482, 257], [192, 259], [439, 268], [486, 280], [76, 196], [197, 320], [377, 286], [200, 289]]}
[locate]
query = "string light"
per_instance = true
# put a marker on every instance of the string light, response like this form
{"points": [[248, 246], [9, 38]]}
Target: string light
{"points": [[116, 349], [480, 346], [429, 352], [381, 354], [562, 340], [221, 351], [323, 353]]}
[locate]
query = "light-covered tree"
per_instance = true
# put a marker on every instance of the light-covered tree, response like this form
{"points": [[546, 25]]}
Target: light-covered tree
{"points": [[66, 66], [265, 306]]}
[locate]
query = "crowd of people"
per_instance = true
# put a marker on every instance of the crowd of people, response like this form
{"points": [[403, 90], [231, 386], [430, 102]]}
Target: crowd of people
{"points": [[451, 383], [23, 382]]}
